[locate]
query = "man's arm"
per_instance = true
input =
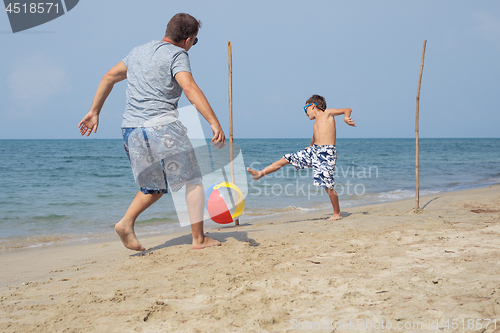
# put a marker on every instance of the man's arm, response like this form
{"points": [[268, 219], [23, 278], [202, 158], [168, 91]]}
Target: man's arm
{"points": [[91, 120], [347, 115], [197, 98], [312, 140]]}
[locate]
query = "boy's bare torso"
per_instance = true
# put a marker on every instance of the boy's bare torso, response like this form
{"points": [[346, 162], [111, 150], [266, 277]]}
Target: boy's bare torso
{"points": [[324, 128]]}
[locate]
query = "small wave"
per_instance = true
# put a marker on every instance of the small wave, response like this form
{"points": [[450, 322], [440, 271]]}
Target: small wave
{"points": [[66, 204], [111, 195], [156, 221], [50, 217], [478, 183], [273, 211], [23, 242], [395, 195], [108, 175]]}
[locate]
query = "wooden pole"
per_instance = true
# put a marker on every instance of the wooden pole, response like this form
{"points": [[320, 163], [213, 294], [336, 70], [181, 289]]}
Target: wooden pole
{"points": [[417, 190], [230, 60], [231, 155]]}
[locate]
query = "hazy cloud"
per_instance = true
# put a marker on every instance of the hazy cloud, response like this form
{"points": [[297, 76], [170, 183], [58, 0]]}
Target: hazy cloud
{"points": [[488, 27], [33, 82]]}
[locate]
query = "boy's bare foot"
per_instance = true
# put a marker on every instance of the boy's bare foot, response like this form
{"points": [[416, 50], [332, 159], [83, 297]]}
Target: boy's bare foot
{"points": [[128, 237], [335, 217], [255, 174], [207, 242]]}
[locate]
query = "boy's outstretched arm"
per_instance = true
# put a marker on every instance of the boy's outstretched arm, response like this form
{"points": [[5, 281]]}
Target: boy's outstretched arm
{"points": [[347, 115]]}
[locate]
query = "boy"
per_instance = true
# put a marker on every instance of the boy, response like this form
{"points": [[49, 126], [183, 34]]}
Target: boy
{"points": [[321, 155]]}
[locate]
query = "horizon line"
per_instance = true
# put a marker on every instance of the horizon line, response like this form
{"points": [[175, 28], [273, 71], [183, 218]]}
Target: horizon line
{"points": [[227, 139]]}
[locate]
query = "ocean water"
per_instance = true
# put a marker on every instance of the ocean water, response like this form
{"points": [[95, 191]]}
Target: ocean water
{"points": [[60, 191]]}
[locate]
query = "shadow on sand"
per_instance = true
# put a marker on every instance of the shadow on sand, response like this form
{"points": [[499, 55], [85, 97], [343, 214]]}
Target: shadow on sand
{"points": [[241, 236]]}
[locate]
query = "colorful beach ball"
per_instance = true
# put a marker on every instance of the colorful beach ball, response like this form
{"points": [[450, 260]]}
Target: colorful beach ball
{"points": [[224, 202]]}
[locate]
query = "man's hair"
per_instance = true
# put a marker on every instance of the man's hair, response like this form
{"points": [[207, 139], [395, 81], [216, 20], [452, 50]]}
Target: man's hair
{"points": [[318, 100], [182, 26]]}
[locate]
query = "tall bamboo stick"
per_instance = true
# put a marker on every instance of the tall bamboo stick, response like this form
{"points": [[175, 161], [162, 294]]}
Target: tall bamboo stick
{"points": [[230, 61], [231, 155], [417, 190]]}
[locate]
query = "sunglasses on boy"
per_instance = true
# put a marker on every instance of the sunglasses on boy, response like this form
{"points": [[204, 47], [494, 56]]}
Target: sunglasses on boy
{"points": [[195, 41], [308, 105]]}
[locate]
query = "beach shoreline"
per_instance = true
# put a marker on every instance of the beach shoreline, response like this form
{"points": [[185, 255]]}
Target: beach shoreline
{"points": [[173, 227], [381, 262]]}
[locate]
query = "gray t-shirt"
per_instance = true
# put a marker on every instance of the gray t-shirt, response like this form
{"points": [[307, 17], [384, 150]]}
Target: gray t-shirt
{"points": [[152, 91]]}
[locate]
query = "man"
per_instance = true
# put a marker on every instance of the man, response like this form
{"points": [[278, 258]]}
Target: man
{"points": [[156, 142]]}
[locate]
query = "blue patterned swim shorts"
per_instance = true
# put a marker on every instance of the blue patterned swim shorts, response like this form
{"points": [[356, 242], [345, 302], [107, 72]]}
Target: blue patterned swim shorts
{"points": [[159, 154], [321, 158]]}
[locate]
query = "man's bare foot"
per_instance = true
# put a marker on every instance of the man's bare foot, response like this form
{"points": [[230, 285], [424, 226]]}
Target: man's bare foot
{"points": [[255, 174], [207, 242], [128, 237], [335, 217]]}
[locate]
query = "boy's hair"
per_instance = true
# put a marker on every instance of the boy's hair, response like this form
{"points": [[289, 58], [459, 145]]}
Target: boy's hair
{"points": [[182, 26], [320, 100]]}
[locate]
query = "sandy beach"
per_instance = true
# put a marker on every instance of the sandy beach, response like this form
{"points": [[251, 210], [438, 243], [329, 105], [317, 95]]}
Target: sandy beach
{"points": [[381, 265]]}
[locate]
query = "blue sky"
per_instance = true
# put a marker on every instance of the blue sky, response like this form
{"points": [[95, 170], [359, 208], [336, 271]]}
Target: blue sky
{"points": [[359, 54]]}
